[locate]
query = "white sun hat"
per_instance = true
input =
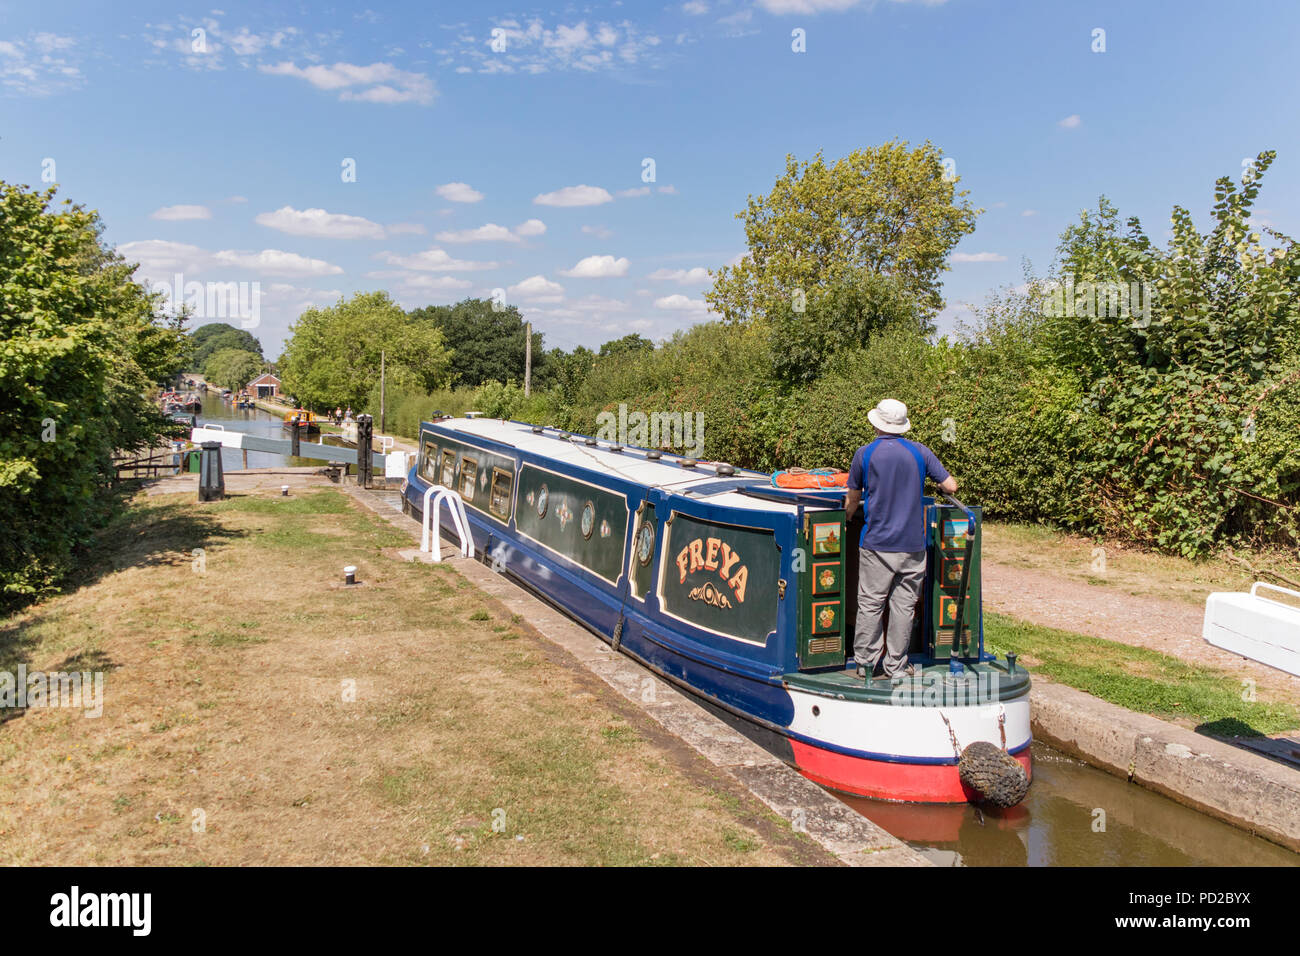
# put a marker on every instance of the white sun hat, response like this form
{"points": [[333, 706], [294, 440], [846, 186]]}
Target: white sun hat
{"points": [[890, 416]]}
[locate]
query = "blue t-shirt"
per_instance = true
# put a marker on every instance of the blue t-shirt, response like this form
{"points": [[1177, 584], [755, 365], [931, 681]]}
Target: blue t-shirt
{"points": [[891, 492]]}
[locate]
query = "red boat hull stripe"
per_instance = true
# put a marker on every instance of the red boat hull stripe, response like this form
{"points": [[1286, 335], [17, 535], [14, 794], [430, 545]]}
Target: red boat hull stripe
{"points": [[919, 783]]}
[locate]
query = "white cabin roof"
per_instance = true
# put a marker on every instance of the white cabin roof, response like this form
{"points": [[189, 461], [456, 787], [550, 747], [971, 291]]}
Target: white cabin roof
{"points": [[631, 463]]}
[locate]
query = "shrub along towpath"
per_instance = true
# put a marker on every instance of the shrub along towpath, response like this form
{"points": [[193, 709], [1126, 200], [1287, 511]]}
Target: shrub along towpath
{"points": [[257, 712]]}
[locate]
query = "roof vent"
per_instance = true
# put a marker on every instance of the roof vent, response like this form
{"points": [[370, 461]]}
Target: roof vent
{"points": [[591, 442], [688, 462], [537, 429], [654, 455], [725, 469], [617, 449]]}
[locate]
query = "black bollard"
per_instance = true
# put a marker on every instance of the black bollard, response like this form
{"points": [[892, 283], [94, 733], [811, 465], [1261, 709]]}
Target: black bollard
{"points": [[365, 458], [212, 479], [294, 439]]}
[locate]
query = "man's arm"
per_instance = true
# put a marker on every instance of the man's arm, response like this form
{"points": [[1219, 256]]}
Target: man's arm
{"points": [[948, 486], [852, 501]]}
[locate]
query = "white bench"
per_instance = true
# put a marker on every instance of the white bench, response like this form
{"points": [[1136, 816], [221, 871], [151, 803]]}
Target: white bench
{"points": [[1261, 628]]}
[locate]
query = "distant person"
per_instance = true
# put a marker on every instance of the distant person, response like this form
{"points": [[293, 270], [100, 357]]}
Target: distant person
{"points": [[338, 415], [349, 413], [889, 475]]}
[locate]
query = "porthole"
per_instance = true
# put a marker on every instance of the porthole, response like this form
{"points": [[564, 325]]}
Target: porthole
{"points": [[588, 519], [817, 711], [543, 498], [645, 544]]}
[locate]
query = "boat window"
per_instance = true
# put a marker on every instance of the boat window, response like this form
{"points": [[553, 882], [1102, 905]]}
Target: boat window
{"points": [[429, 464], [468, 475], [502, 482], [448, 468]]}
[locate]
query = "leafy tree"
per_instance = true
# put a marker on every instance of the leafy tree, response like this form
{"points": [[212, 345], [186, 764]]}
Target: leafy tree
{"points": [[81, 348], [628, 343], [489, 344], [886, 210], [233, 368], [844, 317], [333, 355], [1189, 364], [211, 338]]}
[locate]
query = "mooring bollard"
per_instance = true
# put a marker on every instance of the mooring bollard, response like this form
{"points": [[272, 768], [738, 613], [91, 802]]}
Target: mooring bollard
{"points": [[294, 440], [284, 491], [350, 574], [365, 455], [212, 478]]}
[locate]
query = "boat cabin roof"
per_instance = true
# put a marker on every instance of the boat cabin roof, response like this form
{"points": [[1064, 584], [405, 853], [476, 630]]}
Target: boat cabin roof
{"points": [[742, 489]]}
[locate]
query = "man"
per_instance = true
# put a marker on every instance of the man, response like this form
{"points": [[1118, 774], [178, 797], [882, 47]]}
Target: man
{"points": [[891, 471]]}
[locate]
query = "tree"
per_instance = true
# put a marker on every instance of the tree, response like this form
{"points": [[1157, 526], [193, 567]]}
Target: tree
{"points": [[207, 339], [885, 211], [802, 344], [488, 339], [333, 355], [81, 348], [1190, 361], [628, 343], [233, 368]]}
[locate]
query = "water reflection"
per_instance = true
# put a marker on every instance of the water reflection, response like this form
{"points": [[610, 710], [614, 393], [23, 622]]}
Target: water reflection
{"points": [[1059, 825]]}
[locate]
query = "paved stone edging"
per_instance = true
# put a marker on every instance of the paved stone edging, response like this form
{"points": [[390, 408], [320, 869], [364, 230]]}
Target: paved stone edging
{"points": [[1233, 785], [842, 831]]}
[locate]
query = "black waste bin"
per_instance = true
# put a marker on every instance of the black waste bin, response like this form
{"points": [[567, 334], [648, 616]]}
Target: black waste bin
{"points": [[212, 479]]}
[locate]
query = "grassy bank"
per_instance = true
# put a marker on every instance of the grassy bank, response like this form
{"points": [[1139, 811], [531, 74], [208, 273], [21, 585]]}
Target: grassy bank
{"points": [[257, 712], [1142, 680]]}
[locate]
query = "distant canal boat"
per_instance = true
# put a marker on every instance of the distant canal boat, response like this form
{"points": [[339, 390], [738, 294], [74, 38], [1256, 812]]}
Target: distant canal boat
{"points": [[741, 593], [308, 423]]}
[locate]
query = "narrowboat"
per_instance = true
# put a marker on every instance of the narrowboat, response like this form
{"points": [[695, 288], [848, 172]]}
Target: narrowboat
{"points": [[744, 594], [307, 422]]}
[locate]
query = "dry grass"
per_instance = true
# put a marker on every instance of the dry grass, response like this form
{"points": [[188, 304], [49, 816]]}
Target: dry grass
{"points": [[406, 721], [1132, 571]]}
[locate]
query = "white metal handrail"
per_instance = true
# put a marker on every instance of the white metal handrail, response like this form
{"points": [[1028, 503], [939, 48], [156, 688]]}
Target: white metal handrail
{"points": [[431, 539]]}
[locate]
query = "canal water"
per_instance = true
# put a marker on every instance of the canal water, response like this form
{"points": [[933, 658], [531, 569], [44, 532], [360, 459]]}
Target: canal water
{"points": [[253, 421], [1075, 815]]}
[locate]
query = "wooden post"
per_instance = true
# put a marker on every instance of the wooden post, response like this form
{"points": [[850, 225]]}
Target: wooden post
{"points": [[528, 357], [381, 392]]}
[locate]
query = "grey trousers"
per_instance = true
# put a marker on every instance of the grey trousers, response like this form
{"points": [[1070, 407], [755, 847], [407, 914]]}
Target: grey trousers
{"points": [[894, 578]]}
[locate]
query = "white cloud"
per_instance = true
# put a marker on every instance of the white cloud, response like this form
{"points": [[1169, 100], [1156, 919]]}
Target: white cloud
{"points": [[695, 8], [1030, 212], [669, 190], [1070, 122], [41, 65], [319, 224], [420, 282], [574, 196], [978, 257], [530, 227], [235, 199], [697, 275], [597, 267], [494, 233], [680, 303], [406, 229], [458, 192], [160, 259], [488, 233], [181, 213], [276, 262], [806, 6], [537, 289], [376, 83], [434, 260], [600, 232], [634, 193]]}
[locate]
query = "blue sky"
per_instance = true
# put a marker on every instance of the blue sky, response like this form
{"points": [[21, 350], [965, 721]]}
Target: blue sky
{"points": [[220, 155]]}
